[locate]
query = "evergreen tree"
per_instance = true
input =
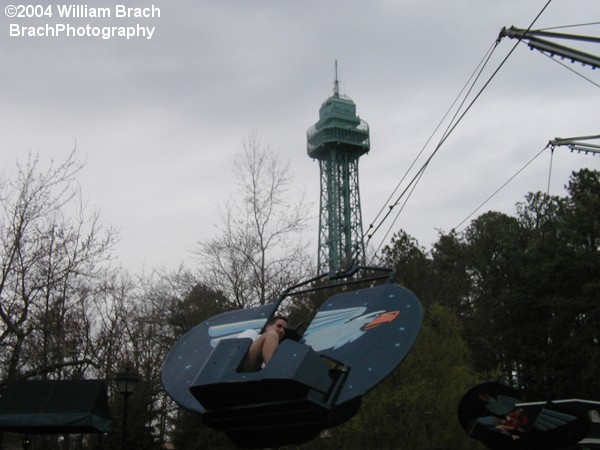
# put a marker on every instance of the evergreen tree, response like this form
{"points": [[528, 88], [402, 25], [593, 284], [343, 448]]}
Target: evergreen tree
{"points": [[532, 310]]}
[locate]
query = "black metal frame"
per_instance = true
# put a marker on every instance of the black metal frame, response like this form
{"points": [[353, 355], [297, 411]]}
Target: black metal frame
{"points": [[390, 275]]}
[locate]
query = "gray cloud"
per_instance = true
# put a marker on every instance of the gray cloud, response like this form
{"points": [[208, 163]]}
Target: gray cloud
{"points": [[160, 120]]}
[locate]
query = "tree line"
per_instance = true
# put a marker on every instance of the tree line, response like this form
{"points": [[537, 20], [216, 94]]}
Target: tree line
{"points": [[510, 298]]}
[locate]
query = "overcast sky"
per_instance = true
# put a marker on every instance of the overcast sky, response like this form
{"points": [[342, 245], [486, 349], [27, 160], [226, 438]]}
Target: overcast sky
{"points": [[159, 120]]}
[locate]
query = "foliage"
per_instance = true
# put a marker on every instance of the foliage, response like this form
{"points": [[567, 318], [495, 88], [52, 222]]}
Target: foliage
{"points": [[533, 310], [191, 434], [524, 287]]}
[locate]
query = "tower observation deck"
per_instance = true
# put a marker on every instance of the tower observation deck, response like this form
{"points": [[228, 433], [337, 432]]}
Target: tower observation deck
{"points": [[337, 141]]}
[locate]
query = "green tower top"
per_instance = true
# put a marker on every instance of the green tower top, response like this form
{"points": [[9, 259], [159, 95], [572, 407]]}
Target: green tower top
{"points": [[337, 141], [338, 124]]}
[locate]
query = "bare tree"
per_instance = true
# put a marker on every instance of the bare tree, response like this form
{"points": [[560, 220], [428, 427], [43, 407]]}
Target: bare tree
{"points": [[112, 306], [51, 256], [259, 249]]}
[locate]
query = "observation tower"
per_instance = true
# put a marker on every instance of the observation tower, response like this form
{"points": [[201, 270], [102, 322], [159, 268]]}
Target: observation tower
{"points": [[337, 141]]}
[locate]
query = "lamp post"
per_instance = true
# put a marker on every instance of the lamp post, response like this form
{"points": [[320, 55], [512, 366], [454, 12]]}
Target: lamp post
{"points": [[126, 383]]}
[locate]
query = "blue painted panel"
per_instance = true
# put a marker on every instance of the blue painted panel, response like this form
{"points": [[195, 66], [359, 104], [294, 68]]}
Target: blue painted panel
{"points": [[370, 330], [189, 354]]}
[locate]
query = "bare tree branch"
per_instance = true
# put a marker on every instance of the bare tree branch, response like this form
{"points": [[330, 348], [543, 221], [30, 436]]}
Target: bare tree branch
{"points": [[260, 249]]}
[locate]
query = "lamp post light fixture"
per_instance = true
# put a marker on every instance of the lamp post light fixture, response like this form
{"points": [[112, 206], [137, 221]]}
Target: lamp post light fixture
{"points": [[126, 383]]}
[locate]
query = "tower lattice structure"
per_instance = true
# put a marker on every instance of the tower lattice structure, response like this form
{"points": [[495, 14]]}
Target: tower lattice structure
{"points": [[337, 141]]}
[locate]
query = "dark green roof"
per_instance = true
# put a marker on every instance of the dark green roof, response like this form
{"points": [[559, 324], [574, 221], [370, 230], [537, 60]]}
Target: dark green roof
{"points": [[66, 406], [339, 128]]}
